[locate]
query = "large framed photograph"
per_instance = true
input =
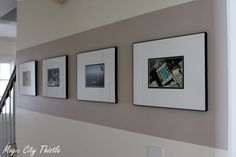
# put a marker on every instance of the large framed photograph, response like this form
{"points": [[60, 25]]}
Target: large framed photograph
{"points": [[27, 78], [171, 72], [96, 75], [55, 77]]}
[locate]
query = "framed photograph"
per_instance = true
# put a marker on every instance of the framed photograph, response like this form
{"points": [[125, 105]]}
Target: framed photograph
{"points": [[55, 77], [171, 72], [96, 75], [27, 78]]}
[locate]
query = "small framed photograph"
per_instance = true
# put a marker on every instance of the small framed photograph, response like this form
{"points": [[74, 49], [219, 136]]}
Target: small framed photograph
{"points": [[96, 75], [171, 72], [27, 78], [55, 77]]}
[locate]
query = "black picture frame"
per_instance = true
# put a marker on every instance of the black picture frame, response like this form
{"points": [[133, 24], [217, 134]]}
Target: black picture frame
{"points": [[59, 91], [114, 51], [195, 47], [30, 89]]}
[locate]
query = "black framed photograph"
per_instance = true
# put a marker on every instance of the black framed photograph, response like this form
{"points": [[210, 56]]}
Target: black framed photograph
{"points": [[27, 78], [171, 72], [55, 77], [96, 75]]}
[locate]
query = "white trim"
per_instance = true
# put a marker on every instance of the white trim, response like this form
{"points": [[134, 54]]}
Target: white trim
{"points": [[9, 39], [229, 92], [231, 14]]}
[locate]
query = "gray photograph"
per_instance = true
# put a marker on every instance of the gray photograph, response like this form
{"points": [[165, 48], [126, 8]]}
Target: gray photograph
{"points": [[26, 78], [95, 75], [54, 77]]}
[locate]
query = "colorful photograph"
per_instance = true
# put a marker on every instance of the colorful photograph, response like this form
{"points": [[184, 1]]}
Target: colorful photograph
{"points": [[166, 72], [54, 77], [94, 75]]}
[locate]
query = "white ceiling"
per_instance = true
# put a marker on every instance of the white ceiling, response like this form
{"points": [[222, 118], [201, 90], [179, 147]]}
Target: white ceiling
{"points": [[7, 28], [6, 6]]}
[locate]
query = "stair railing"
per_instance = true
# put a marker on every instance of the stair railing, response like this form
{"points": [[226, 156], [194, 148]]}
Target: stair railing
{"points": [[7, 117]]}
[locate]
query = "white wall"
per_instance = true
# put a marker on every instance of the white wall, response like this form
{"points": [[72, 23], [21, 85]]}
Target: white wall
{"points": [[7, 50], [40, 21], [77, 138]]}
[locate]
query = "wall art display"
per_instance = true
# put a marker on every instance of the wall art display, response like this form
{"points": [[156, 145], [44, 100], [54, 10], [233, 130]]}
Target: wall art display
{"points": [[27, 78], [171, 72], [55, 77], [96, 75]]}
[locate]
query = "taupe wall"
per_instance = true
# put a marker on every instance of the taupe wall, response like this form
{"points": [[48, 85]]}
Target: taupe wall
{"points": [[204, 128]]}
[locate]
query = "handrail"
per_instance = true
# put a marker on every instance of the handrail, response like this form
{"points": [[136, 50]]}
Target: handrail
{"points": [[8, 89]]}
